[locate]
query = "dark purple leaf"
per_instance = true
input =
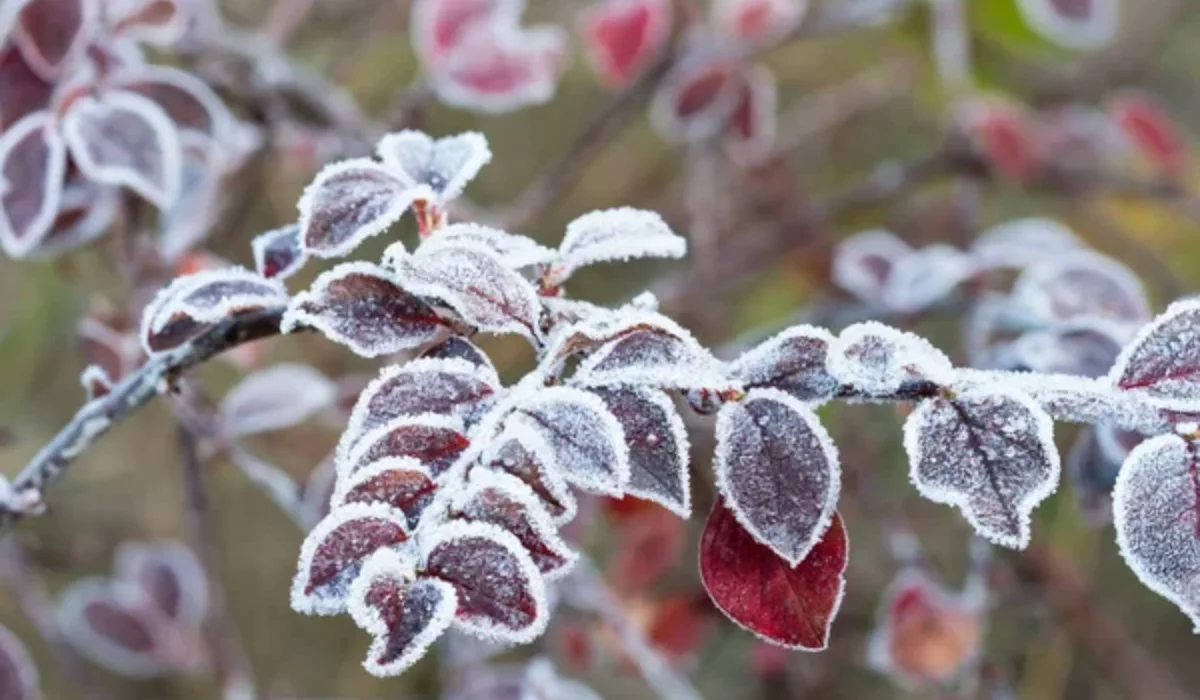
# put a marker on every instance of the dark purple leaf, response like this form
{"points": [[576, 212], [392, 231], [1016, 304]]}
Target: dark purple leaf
{"points": [[1092, 466], [51, 33], [436, 441], [194, 302], [349, 202], [189, 102], [649, 349], [1082, 284], [115, 625], [169, 575], [792, 361], [33, 164], [458, 347], [877, 360], [22, 92], [402, 483], [1163, 361], [524, 453], [277, 253], [658, 446]]}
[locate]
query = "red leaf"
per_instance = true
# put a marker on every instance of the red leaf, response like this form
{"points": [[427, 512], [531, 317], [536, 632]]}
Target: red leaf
{"points": [[1152, 132], [528, 457], [1005, 137], [434, 441], [679, 625], [501, 595], [398, 482], [439, 26], [790, 607], [622, 36], [697, 99], [22, 92], [649, 545], [277, 253], [333, 553], [500, 68], [751, 130]]}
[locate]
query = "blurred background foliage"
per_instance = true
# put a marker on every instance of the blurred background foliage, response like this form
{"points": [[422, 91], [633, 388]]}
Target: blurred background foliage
{"points": [[129, 485]]}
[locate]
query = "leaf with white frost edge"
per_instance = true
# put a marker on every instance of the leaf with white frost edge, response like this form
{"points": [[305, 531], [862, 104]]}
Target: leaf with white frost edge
{"points": [[364, 307], [522, 451], [587, 440], [475, 284], [125, 139], [29, 205], [878, 359], [863, 263], [990, 452], [1156, 515], [778, 471], [507, 502], [659, 452], [181, 309], [1023, 242], [169, 574], [400, 482], [1081, 284], [404, 616], [924, 277], [1162, 362], [277, 253], [613, 235], [433, 439], [333, 553], [501, 594], [445, 165], [514, 251], [137, 653], [18, 673], [349, 202], [278, 397], [648, 349], [793, 361]]}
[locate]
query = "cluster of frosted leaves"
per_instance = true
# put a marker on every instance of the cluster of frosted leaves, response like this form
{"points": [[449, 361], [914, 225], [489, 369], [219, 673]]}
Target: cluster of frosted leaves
{"points": [[871, 359], [1162, 363], [18, 674], [988, 450], [1156, 515], [146, 618], [622, 37], [476, 54], [194, 303], [1075, 24], [925, 635]]}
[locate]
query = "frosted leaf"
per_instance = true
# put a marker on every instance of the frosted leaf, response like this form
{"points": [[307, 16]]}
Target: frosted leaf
{"points": [[651, 350], [614, 235], [500, 67], [863, 263], [506, 502], [126, 140], [501, 595], [1023, 242], [439, 26], [18, 673], [877, 359], [924, 634], [990, 452], [523, 452], [112, 624], [52, 34], [277, 253], [1076, 24], [476, 285], [114, 350], [169, 575], [458, 347], [777, 470], [190, 303], [512, 250], [792, 361], [1156, 515], [400, 482], [362, 306], [925, 277], [404, 616], [1091, 467], [788, 606], [435, 441], [278, 397], [659, 452], [697, 98], [33, 163], [451, 387], [1163, 360], [188, 101], [22, 91], [586, 440], [1083, 283], [95, 382], [349, 202], [621, 37], [333, 553], [750, 134], [86, 212], [757, 21], [445, 166], [1086, 348]]}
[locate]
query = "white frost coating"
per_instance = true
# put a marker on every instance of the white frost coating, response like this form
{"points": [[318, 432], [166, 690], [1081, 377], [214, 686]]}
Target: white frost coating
{"points": [[1023, 242], [863, 262], [275, 398], [995, 473], [533, 512], [1081, 283], [877, 359], [670, 430], [208, 297], [768, 496], [562, 313], [387, 565], [648, 349], [134, 557], [924, 277], [521, 570], [1162, 362], [513, 250], [102, 133], [221, 122], [358, 456], [445, 166], [795, 360], [26, 682], [612, 235], [333, 601], [586, 438], [531, 440], [1156, 515], [78, 596], [370, 327], [348, 483], [358, 213], [19, 243], [1081, 33], [274, 242], [476, 284], [95, 381]]}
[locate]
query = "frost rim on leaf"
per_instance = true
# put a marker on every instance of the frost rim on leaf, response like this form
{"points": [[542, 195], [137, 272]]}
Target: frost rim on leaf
{"points": [[481, 155]]}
